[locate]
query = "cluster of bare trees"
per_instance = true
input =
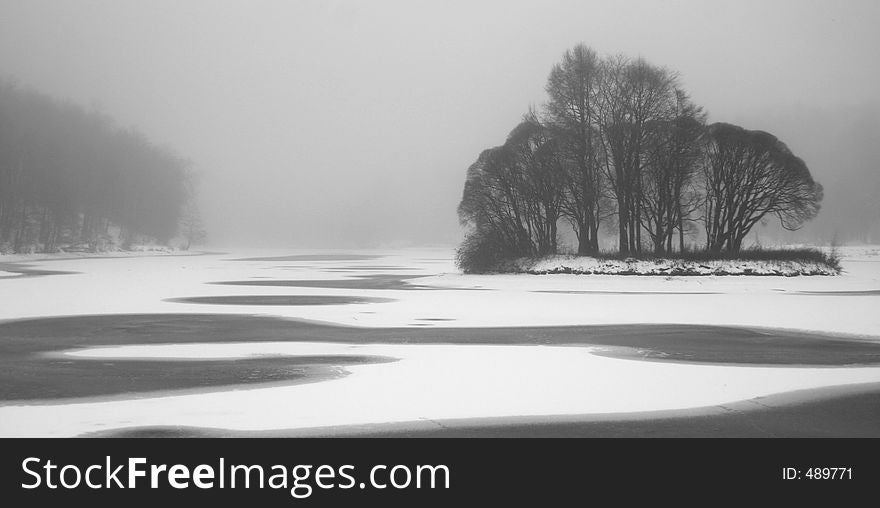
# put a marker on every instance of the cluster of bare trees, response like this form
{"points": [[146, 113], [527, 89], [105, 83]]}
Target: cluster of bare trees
{"points": [[69, 176], [620, 142]]}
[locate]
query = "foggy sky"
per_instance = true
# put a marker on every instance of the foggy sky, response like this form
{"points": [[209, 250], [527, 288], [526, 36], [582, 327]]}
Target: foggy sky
{"points": [[317, 123]]}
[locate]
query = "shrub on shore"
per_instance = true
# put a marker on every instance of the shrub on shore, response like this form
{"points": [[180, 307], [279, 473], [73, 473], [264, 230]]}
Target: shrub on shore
{"points": [[480, 252]]}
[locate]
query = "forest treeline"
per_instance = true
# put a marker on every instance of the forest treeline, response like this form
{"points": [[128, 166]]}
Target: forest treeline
{"points": [[619, 145], [71, 178]]}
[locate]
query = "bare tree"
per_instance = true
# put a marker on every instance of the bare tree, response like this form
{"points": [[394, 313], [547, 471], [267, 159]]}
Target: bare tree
{"points": [[539, 161], [513, 195], [573, 87], [749, 175], [673, 154], [191, 228], [634, 96], [493, 205]]}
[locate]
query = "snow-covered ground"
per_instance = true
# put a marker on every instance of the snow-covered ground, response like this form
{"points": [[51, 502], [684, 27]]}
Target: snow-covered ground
{"points": [[133, 251], [582, 265], [437, 381]]}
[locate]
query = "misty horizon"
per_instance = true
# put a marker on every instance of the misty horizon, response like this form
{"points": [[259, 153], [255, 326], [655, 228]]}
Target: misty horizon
{"points": [[337, 124]]}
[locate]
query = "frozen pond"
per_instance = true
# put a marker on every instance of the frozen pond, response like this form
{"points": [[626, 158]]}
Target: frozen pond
{"points": [[279, 341]]}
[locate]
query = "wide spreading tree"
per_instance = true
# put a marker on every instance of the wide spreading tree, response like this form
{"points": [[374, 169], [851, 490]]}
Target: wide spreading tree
{"points": [[750, 175]]}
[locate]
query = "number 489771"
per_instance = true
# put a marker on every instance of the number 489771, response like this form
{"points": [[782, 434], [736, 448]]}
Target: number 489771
{"points": [[817, 473]]}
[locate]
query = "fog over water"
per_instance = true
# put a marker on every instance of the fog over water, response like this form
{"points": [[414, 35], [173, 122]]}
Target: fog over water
{"points": [[335, 123]]}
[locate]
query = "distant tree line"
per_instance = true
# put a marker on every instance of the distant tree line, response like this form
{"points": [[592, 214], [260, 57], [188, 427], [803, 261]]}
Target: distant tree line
{"points": [[70, 176], [620, 143]]}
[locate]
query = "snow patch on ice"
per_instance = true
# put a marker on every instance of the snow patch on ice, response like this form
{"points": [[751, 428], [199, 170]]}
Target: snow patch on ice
{"points": [[434, 382]]}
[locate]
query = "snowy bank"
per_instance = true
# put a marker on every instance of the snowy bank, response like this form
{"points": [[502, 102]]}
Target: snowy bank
{"points": [[64, 255], [583, 265]]}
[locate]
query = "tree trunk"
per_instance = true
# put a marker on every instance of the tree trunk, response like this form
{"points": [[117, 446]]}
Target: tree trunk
{"points": [[622, 220], [680, 234], [583, 236]]}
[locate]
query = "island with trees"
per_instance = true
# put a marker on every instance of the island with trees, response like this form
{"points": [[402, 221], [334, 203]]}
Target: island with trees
{"points": [[619, 154]]}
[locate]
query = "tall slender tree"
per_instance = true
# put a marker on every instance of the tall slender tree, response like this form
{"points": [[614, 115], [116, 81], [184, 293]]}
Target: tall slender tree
{"points": [[573, 88], [672, 157]]}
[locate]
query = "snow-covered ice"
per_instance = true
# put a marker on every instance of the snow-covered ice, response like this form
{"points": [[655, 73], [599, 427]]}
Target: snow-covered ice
{"points": [[142, 285], [437, 381], [429, 382]]}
